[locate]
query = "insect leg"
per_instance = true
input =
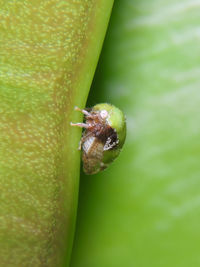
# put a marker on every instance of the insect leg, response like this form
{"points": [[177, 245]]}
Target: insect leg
{"points": [[79, 124], [85, 112]]}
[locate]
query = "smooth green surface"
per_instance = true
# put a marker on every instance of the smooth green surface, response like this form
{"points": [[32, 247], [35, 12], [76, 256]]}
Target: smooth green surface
{"points": [[144, 210], [49, 51]]}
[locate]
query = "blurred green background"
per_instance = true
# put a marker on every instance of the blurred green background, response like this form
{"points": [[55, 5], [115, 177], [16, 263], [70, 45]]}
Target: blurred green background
{"points": [[144, 210]]}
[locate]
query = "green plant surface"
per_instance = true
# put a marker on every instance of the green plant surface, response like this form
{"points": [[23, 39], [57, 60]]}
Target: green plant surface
{"points": [[49, 51], [144, 210]]}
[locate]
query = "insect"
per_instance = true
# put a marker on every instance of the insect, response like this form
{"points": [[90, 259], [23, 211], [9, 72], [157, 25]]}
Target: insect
{"points": [[103, 137]]}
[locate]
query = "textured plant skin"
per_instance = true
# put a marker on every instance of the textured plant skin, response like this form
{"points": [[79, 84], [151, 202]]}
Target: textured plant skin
{"points": [[49, 51]]}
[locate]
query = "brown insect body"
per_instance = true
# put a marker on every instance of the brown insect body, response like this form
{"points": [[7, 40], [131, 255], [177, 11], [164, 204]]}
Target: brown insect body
{"points": [[94, 142], [92, 155], [103, 137]]}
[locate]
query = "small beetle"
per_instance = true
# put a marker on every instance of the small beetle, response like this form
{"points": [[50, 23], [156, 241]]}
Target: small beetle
{"points": [[103, 138]]}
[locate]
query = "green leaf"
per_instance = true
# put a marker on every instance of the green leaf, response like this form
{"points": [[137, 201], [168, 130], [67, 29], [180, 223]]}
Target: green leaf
{"points": [[144, 209], [49, 51]]}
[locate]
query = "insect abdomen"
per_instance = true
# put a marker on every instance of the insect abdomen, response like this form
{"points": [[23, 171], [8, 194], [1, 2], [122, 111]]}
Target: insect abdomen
{"points": [[92, 155]]}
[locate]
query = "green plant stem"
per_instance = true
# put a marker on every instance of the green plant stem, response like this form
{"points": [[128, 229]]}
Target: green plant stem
{"points": [[49, 51]]}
